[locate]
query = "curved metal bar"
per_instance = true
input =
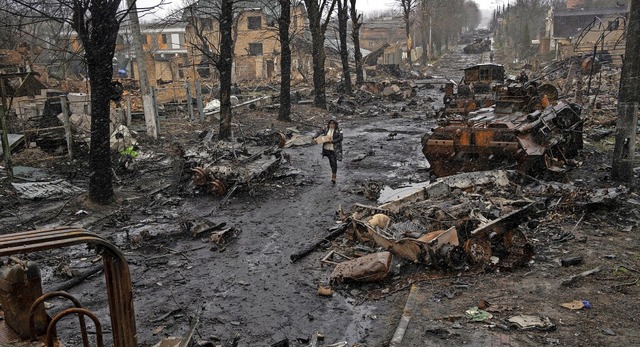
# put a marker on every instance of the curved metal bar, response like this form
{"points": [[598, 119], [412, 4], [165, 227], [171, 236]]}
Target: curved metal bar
{"points": [[116, 271], [76, 303], [79, 311]]}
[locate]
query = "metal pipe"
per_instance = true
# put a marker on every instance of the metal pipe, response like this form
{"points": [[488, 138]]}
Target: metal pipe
{"points": [[116, 270], [76, 303], [79, 311]]}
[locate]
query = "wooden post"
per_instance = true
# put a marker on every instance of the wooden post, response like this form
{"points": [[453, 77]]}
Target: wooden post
{"points": [[189, 103], [199, 99], [6, 149], [129, 111], [67, 125], [154, 103]]}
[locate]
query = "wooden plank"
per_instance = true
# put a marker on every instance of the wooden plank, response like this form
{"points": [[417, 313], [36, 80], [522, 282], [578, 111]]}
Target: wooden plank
{"points": [[14, 140]]}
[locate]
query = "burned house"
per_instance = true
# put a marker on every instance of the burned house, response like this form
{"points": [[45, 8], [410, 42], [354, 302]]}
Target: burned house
{"points": [[256, 48], [576, 31]]}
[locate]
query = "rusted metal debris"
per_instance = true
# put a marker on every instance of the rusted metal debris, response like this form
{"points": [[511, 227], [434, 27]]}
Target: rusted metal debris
{"points": [[219, 168], [485, 85], [535, 143], [118, 282], [437, 227]]}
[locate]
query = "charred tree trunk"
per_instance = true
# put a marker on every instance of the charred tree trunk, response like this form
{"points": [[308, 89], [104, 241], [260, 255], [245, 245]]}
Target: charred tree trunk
{"points": [[343, 16], [318, 29], [320, 97], [98, 38], [285, 61], [100, 73], [224, 65], [356, 22], [623, 153], [425, 29]]}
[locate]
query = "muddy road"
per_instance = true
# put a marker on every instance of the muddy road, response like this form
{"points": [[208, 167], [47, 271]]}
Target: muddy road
{"points": [[249, 291]]}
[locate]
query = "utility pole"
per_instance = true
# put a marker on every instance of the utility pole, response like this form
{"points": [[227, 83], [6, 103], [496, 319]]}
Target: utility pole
{"points": [[147, 98], [628, 99]]}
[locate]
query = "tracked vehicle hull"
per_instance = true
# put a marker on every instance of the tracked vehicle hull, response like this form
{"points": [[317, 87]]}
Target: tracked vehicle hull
{"points": [[533, 143]]}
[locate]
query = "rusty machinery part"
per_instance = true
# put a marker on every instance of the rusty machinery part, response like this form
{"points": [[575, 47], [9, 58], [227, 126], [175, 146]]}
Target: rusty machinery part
{"points": [[200, 176], [548, 90], [217, 187], [76, 303], [116, 271], [80, 312], [450, 257], [530, 89], [478, 251], [514, 238], [279, 139]]}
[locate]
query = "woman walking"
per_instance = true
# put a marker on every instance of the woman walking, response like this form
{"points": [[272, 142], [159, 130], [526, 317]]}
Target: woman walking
{"points": [[332, 146]]}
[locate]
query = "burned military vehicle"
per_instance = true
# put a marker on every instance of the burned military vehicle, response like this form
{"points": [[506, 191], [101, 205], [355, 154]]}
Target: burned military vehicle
{"points": [[477, 89], [485, 84], [533, 142], [479, 45]]}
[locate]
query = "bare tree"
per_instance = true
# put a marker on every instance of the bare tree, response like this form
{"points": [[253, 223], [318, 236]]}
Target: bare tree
{"points": [[216, 47], [284, 21], [343, 17], [287, 14], [514, 24], [225, 65], [356, 23], [96, 23], [472, 15], [319, 12], [407, 7]]}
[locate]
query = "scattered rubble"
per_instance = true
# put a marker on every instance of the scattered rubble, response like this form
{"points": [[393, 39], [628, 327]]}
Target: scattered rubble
{"points": [[450, 231]]}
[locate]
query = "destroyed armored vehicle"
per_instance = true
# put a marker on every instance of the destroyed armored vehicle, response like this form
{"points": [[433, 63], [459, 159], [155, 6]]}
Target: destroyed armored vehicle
{"points": [[533, 142], [483, 85], [478, 46], [477, 89]]}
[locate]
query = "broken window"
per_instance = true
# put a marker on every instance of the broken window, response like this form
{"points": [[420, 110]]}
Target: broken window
{"points": [[255, 23], [255, 49], [613, 25], [485, 74], [164, 39]]}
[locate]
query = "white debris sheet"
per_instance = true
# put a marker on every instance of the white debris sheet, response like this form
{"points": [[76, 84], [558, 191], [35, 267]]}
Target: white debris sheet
{"points": [[52, 190]]}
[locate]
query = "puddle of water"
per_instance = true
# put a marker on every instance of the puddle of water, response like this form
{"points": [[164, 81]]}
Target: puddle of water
{"points": [[388, 194], [360, 322]]}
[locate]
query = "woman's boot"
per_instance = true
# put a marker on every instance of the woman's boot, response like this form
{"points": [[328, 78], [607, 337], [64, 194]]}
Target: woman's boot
{"points": [[333, 178]]}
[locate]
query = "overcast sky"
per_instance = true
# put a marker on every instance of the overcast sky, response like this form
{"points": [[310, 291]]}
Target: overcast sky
{"points": [[362, 5]]}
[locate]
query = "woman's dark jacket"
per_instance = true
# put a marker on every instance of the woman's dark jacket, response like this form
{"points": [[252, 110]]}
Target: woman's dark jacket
{"points": [[337, 140]]}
